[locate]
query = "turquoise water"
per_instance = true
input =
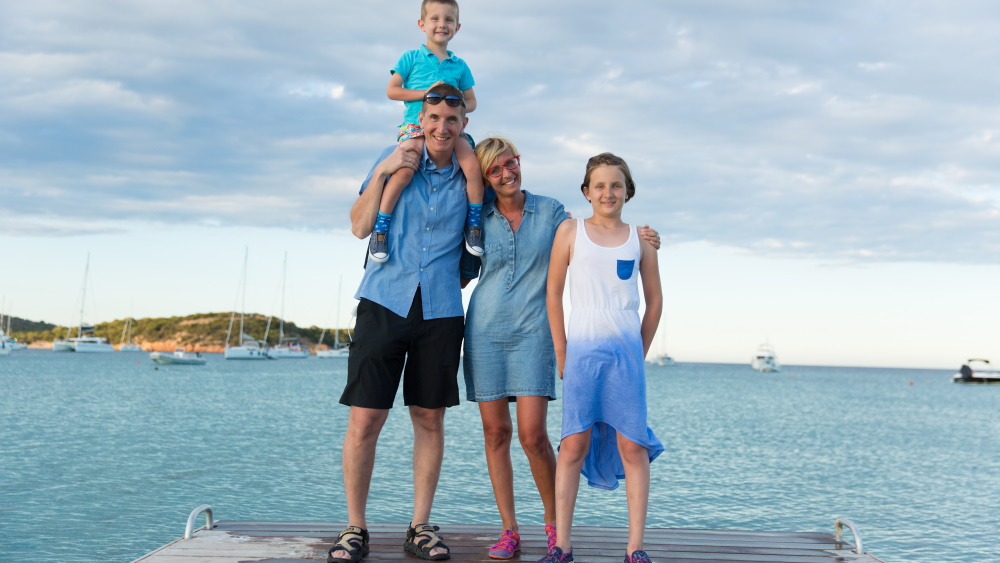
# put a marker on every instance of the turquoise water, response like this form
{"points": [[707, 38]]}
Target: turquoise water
{"points": [[102, 457]]}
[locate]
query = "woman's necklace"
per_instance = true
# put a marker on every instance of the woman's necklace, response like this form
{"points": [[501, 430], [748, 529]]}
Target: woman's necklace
{"points": [[514, 216]]}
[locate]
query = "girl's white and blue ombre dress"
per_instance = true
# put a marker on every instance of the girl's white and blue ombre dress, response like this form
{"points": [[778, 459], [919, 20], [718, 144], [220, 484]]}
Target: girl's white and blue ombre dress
{"points": [[604, 381]]}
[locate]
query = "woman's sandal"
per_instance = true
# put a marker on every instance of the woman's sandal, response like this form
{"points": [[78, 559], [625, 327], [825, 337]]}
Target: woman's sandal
{"points": [[354, 541], [421, 539]]}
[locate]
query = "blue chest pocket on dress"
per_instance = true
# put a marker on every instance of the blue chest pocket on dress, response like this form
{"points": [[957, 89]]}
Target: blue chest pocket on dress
{"points": [[625, 268]]}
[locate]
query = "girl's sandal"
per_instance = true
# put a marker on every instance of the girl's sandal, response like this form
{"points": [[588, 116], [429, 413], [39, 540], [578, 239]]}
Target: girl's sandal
{"points": [[421, 539], [354, 541]]}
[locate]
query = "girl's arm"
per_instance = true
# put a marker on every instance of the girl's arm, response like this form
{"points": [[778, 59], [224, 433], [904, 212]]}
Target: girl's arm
{"points": [[395, 90], [649, 270], [470, 100], [562, 253]]}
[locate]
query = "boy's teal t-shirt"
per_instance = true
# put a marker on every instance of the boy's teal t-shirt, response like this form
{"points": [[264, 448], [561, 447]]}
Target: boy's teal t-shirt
{"points": [[420, 69]]}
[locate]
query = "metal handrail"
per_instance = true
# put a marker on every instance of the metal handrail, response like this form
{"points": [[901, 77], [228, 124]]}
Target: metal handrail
{"points": [[838, 531], [194, 516]]}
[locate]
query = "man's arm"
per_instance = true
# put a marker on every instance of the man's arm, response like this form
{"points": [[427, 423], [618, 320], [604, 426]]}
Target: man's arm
{"points": [[365, 209]]}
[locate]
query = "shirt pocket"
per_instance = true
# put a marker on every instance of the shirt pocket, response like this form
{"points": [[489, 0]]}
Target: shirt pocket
{"points": [[625, 269], [492, 256]]}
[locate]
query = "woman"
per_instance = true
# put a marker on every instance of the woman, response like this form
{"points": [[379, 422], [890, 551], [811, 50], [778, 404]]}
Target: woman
{"points": [[509, 356]]}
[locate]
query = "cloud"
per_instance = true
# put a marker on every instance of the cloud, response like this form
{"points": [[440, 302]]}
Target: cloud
{"points": [[840, 131]]}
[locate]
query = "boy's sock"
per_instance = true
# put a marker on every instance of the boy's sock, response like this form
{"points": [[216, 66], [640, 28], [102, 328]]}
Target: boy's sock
{"points": [[473, 216], [382, 222]]}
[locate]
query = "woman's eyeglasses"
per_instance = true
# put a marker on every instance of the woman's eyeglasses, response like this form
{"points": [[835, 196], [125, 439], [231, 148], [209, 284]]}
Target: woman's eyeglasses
{"points": [[511, 164], [451, 99]]}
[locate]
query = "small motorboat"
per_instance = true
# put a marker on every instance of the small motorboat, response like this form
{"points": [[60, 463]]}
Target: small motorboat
{"points": [[179, 357], [977, 370]]}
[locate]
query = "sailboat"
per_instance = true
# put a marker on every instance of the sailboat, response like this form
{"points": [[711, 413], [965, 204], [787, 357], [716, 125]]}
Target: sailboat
{"points": [[5, 350], [290, 347], [248, 348], [337, 351], [86, 340], [127, 345], [6, 340]]}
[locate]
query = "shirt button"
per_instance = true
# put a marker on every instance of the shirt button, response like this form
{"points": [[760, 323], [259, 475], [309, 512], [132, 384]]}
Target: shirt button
{"points": [[428, 228], [425, 250], [432, 209]]}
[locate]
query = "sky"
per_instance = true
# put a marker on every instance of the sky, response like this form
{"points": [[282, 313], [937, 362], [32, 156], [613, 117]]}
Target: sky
{"points": [[824, 174]]}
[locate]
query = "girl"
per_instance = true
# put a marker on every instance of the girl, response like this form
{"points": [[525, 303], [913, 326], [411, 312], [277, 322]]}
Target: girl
{"points": [[604, 432]]}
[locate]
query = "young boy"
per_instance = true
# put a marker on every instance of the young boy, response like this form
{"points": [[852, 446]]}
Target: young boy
{"points": [[413, 74]]}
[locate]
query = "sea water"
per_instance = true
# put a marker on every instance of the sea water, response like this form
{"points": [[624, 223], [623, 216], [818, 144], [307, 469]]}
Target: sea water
{"points": [[103, 456]]}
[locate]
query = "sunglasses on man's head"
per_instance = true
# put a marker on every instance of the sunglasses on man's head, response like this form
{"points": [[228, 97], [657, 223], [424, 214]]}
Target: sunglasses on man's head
{"points": [[451, 99]]}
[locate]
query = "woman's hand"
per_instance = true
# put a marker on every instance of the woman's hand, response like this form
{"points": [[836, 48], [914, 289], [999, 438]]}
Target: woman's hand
{"points": [[650, 235], [560, 363]]}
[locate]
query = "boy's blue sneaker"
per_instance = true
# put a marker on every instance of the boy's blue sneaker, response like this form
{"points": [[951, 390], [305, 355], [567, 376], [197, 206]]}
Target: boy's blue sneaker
{"points": [[557, 556], [474, 240], [378, 247]]}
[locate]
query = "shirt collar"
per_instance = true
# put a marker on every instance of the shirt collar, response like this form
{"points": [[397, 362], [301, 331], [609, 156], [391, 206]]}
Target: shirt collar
{"points": [[428, 163], [427, 52], [529, 203]]}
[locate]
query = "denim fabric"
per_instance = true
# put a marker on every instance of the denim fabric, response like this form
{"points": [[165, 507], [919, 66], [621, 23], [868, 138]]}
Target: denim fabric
{"points": [[508, 344], [425, 244]]}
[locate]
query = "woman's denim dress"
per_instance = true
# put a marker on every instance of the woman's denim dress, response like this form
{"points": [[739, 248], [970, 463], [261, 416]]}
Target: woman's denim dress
{"points": [[508, 344]]}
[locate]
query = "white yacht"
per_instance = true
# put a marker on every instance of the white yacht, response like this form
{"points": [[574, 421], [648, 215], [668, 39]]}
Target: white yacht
{"points": [[88, 344], [342, 351], [977, 370], [288, 347], [5, 350], [248, 347], [85, 340], [178, 357], [7, 341], [126, 344], [765, 359]]}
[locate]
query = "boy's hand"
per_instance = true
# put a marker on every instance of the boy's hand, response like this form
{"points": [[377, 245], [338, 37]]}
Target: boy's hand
{"points": [[435, 84], [403, 156]]}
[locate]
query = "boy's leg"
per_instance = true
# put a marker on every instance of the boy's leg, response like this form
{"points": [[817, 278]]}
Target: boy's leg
{"points": [[378, 244], [474, 193], [635, 458]]}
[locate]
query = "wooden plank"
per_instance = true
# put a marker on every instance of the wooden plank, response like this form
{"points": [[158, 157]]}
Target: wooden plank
{"points": [[285, 542]]}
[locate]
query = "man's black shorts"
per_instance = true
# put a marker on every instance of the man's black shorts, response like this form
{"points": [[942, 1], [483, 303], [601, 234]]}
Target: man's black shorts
{"points": [[384, 343]]}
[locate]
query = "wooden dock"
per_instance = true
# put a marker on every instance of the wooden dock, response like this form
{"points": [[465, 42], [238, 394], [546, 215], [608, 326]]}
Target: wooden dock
{"points": [[231, 541]]}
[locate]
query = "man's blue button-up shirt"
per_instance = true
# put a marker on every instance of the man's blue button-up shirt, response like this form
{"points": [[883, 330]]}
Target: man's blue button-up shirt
{"points": [[425, 243]]}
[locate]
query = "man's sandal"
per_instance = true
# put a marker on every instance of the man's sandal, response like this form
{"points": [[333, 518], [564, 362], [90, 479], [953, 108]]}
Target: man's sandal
{"points": [[421, 539], [354, 541]]}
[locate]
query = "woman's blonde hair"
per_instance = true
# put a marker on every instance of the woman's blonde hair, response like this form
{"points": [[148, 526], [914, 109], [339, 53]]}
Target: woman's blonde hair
{"points": [[489, 149]]}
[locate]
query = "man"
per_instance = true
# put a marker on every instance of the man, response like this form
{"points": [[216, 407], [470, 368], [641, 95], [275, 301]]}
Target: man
{"points": [[410, 314]]}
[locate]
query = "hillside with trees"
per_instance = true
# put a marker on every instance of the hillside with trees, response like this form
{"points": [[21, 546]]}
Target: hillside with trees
{"points": [[203, 332]]}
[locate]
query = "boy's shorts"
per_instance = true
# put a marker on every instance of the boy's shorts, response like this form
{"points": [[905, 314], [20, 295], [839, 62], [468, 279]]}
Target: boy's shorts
{"points": [[414, 130], [387, 348]]}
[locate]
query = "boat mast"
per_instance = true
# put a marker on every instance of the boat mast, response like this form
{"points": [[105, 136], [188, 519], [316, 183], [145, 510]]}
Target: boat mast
{"points": [[83, 296], [243, 303], [336, 331], [281, 321]]}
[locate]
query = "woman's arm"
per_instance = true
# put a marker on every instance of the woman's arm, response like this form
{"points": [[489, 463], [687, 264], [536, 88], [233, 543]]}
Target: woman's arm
{"points": [[562, 252], [649, 270]]}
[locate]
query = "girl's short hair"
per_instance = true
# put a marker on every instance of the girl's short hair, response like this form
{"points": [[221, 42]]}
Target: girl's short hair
{"points": [[489, 149], [608, 159]]}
